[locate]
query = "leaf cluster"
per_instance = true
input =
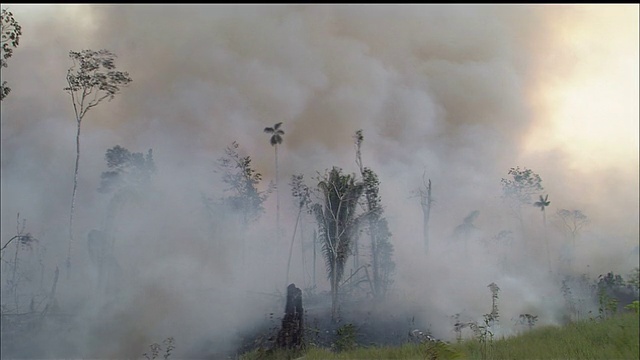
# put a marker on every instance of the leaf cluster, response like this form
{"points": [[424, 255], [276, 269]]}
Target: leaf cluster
{"points": [[126, 169], [10, 39], [93, 78], [523, 184], [336, 217], [300, 190], [242, 180], [276, 133]]}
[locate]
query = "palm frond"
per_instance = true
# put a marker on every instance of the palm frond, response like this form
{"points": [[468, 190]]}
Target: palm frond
{"points": [[269, 130], [277, 126]]}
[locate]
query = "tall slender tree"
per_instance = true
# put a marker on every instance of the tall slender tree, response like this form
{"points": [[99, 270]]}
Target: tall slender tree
{"points": [[381, 248], [92, 78], [301, 192], [275, 140], [542, 204]]}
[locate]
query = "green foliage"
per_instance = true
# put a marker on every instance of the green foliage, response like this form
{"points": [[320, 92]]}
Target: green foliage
{"points": [[126, 169], [337, 220], [528, 319], [300, 191], [93, 78], [243, 181], [615, 338], [634, 306], [10, 39], [337, 224], [634, 279], [346, 337]]}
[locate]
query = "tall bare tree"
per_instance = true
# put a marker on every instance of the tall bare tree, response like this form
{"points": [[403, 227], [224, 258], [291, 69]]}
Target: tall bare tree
{"points": [[92, 78], [275, 140]]}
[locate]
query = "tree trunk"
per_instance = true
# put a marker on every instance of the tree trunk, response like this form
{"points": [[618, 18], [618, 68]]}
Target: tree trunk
{"points": [[73, 197], [291, 334], [291, 247], [334, 290], [277, 198]]}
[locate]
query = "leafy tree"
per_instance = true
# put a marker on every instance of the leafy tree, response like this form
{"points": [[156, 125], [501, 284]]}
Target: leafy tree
{"points": [[275, 140], [9, 40], [92, 78], [337, 224], [129, 175], [525, 183], [519, 189], [464, 231], [572, 221], [243, 181], [127, 169]]}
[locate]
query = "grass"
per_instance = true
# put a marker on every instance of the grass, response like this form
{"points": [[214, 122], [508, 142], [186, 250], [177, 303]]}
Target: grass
{"points": [[614, 338]]}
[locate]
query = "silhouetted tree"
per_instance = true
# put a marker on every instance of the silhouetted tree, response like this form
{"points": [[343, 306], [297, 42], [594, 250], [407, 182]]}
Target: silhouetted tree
{"points": [[542, 204], [275, 140], [464, 231], [518, 190], [10, 39], [301, 193], [128, 177], [242, 180], [92, 78], [572, 221], [381, 248]]}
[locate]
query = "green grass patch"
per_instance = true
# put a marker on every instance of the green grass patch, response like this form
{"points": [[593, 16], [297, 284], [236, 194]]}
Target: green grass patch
{"points": [[614, 338]]}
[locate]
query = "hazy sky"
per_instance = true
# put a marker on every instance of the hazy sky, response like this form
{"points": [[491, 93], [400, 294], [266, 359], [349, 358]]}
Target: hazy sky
{"points": [[460, 93]]}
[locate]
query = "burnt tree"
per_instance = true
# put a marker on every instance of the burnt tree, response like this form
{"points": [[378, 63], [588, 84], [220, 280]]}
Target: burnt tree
{"points": [[291, 334]]}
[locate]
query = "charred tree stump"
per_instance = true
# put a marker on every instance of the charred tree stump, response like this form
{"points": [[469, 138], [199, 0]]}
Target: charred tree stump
{"points": [[291, 334]]}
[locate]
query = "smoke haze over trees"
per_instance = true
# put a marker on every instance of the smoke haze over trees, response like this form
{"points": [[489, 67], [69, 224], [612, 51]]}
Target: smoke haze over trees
{"points": [[457, 95]]}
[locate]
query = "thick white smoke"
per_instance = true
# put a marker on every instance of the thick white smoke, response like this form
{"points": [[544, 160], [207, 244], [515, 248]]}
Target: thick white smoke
{"points": [[458, 93]]}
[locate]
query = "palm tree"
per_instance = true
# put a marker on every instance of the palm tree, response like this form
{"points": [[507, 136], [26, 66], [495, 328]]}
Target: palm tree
{"points": [[276, 139], [542, 204], [337, 224]]}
